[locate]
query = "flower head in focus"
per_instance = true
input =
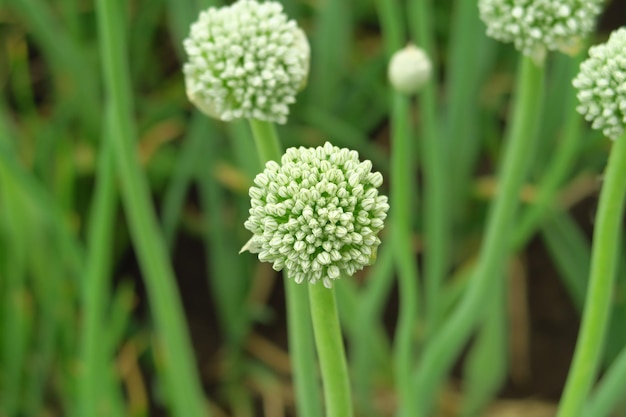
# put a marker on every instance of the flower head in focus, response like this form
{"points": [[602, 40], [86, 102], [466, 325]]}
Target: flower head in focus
{"points": [[246, 60], [409, 69], [601, 84], [535, 26], [317, 213]]}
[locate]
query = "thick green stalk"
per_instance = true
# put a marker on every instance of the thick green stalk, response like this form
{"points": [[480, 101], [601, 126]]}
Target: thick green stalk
{"points": [[604, 256], [97, 273], [330, 350], [401, 215], [267, 141], [186, 396], [486, 364], [441, 352], [401, 221], [371, 303], [301, 349], [468, 43], [298, 315], [392, 23], [333, 26], [401, 173], [435, 199], [221, 251], [557, 170]]}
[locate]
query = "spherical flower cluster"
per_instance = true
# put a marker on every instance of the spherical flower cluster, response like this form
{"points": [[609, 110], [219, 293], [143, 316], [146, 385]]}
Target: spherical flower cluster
{"points": [[601, 84], [246, 60], [535, 26], [409, 69], [317, 213]]}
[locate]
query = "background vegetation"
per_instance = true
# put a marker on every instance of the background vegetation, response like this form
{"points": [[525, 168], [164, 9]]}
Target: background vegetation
{"points": [[55, 121]]}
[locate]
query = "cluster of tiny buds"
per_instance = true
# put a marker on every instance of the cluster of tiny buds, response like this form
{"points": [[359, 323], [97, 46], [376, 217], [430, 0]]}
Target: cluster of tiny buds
{"points": [[601, 84], [246, 60], [535, 26], [317, 214]]}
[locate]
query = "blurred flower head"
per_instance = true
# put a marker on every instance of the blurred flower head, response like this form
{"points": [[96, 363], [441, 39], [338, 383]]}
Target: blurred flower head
{"points": [[601, 84], [246, 60], [535, 26], [409, 69], [317, 213]]}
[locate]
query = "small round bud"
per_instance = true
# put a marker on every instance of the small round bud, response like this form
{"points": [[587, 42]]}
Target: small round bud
{"points": [[601, 84], [246, 60], [535, 26], [317, 214], [409, 69]]}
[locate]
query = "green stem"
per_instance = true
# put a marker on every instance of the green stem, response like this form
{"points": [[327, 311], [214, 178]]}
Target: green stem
{"points": [[604, 256], [402, 214], [333, 26], [267, 141], [301, 349], [392, 23], [186, 394], [298, 315], [401, 174], [97, 274], [220, 250], [558, 168], [371, 303], [330, 351], [441, 352], [467, 43], [436, 208]]}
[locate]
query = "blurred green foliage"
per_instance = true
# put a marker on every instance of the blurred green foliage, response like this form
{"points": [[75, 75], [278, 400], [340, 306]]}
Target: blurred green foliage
{"points": [[53, 119]]}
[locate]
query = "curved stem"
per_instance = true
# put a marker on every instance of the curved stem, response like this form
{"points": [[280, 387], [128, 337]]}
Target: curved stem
{"points": [[97, 273], [392, 22], [330, 350], [557, 170], [186, 396], [441, 352], [401, 215], [401, 174], [604, 255], [371, 303], [298, 322], [436, 209], [267, 141]]}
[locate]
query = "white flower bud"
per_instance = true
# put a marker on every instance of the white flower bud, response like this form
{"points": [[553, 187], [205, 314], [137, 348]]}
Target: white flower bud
{"points": [[409, 69], [246, 60], [310, 230], [601, 84], [536, 26]]}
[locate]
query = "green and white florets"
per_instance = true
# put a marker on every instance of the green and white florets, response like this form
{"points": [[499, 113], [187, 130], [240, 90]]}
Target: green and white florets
{"points": [[317, 213], [535, 26], [246, 60], [601, 84]]}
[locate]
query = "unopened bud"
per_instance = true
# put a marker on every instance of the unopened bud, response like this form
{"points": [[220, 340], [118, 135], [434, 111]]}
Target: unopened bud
{"points": [[409, 69]]}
